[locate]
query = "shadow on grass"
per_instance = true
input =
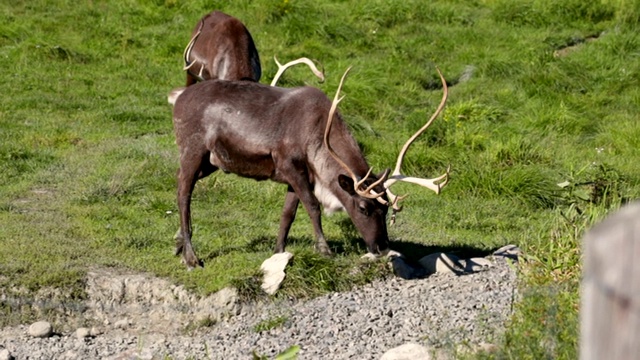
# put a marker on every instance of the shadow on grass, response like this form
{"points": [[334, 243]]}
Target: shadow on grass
{"points": [[412, 251], [257, 245], [350, 243]]}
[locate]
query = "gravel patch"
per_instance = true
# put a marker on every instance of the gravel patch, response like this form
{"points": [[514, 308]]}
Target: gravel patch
{"points": [[442, 311]]}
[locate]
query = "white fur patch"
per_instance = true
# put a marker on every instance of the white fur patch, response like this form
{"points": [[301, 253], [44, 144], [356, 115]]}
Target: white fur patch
{"points": [[174, 94], [329, 202]]}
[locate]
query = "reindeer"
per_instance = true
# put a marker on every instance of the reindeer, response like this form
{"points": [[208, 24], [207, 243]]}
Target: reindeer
{"points": [[221, 47], [292, 136]]}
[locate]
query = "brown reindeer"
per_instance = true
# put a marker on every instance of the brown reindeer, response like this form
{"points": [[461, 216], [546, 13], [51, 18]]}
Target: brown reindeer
{"points": [[289, 135], [222, 48]]}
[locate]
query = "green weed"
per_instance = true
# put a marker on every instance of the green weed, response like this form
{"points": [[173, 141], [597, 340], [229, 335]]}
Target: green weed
{"points": [[269, 324]]}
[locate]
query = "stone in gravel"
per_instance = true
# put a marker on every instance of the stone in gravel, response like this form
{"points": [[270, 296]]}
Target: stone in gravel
{"points": [[41, 329], [487, 348], [409, 351], [133, 354], [509, 251], [5, 355], [476, 264], [405, 271], [95, 331], [442, 263], [273, 269], [83, 332], [122, 324]]}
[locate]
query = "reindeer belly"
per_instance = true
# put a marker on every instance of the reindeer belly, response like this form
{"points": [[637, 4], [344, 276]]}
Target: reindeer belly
{"points": [[242, 162]]}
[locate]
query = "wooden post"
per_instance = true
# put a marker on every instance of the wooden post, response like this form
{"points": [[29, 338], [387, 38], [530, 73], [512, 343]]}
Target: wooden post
{"points": [[610, 310]]}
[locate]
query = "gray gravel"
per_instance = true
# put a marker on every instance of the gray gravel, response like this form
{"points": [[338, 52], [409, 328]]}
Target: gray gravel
{"points": [[442, 311]]}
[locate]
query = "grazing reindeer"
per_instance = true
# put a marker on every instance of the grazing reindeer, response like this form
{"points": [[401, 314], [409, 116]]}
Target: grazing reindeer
{"points": [[222, 48], [292, 136]]}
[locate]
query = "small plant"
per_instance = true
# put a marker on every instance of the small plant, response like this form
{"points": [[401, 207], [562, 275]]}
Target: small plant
{"points": [[249, 287], [290, 354], [270, 323], [206, 322]]}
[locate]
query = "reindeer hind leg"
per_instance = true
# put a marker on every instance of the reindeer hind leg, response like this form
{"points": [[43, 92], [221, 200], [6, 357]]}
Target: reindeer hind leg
{"points": [[303, 191], [289, 211], [191, 170]]}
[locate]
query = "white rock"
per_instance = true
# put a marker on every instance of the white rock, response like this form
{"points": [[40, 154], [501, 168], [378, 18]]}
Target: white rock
{"points": [[404, 270], [442, 263], [95, 331], [273, 269], [476, 264], [369, 257], [487, 348], [508, 251], [41, 329], [122, 324], [394, 254], [409, 351], [83, 332], [5, 355]]}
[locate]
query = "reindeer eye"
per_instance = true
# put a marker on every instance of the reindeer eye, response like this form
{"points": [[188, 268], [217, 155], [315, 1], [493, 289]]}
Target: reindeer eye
{"points": [[363, 208]]}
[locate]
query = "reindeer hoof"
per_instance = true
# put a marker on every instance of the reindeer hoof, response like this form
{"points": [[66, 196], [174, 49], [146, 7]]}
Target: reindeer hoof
{"points": [[179, 242], [323, 249], [192, 263]]}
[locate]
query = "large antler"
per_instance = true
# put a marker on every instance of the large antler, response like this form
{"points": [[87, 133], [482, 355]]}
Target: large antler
{"points": [[435, 184], [304, 60], [368, 192]]}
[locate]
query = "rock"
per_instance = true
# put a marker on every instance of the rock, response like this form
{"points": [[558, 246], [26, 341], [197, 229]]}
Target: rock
{"points": [[83, 332], [133, 354], [442, 263], [476, 264], [487, 348], [41, 329], [393, 254], [404, 270], [95, 331], [150, 302], [369, 257], [509, 251], [122, 324], [409, 351], [5, 355], [273, 269]]}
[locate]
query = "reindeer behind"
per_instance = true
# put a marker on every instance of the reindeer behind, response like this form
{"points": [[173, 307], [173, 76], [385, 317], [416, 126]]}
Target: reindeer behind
{"points": [[221, 47]]}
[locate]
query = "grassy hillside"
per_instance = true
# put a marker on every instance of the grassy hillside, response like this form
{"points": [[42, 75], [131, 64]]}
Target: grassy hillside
{"points": [[542, 92]]}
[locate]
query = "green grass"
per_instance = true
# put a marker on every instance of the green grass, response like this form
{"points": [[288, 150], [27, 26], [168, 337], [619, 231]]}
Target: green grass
{"points": [[88, 159]]}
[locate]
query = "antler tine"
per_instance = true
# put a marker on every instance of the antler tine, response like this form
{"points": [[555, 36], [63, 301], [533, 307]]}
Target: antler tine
{"points": [[445, 94], [332, 111], [369, 189], [435, 184], [303, 60], [187, 50], [357, 183]]}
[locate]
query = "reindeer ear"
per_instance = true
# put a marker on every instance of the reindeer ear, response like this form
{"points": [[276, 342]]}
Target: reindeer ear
{"points": [[346, 183]]}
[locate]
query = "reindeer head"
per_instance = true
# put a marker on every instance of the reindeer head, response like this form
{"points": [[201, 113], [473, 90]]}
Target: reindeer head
{"points": [[378, 187]]}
